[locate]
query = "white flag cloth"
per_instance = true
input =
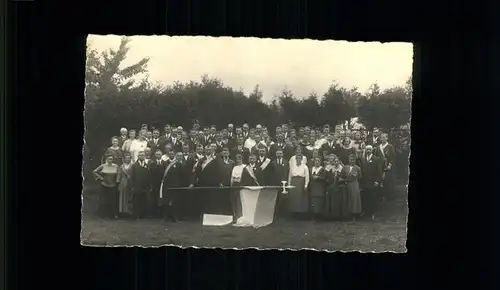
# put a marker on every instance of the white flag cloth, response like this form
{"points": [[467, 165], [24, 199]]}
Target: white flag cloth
{"points": [[257, 205]]}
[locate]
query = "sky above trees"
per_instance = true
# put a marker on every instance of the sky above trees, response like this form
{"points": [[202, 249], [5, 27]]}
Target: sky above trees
{"points": [[303, 66]]}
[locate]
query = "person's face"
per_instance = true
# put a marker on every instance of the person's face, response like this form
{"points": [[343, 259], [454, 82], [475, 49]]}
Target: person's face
{"points": [[336, 162], [212, 130], [147, 152], [206, 131], [376, 132], [123, 132], [347, 142], [158, 154], [213, 147], [336, 136], [225, 134], [289, 142], [127, 159], [131, 134], [368, 151], [238, 131], [278, 130], [179, 156], [245, 128], [141, 156], [383, 138], [230, 128], [239, 159], [315, 153], [352, 160], [279, 154], [312, 135], [326, 130], [285, 128], [357, 135], [218, 137], [208, 150], [185, 149], [192, 133], [171, 154], [298, 151], [201, 135], [168, 148], [265, 134], [305, 138], [109, 159], [251, 159], [307, 130], [317, 162], [168, 130], [280, 137], [293, 133], [225, 153], [342, 134], [114, 142], [199, 150], [262, 152], [330, 137], [251, 135], [156, 134], [299, 160], [149, 134], [301, 131], [184, 135]]}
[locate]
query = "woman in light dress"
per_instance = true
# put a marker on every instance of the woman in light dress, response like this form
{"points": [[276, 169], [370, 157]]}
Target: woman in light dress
{"points": [[297, 200], [127, 143], [138, 145], [125, 193]]}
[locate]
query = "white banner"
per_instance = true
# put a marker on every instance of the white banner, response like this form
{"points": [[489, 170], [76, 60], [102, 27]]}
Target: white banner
{"points": [[257, 205]]}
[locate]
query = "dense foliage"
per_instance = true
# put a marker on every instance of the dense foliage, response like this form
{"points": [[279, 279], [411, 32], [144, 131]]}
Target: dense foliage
{"points": [[115, 99]]}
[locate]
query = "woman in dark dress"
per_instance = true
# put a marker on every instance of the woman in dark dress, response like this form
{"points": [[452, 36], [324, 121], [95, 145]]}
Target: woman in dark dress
{"points": [[337, 195], [345, 151], [106, 174], [114, 151], [317, 190]]}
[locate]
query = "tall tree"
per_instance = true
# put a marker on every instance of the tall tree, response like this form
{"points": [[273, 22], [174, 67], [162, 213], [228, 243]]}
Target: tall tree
{"points": [[335, 108], [105, 75], [387, 110]]}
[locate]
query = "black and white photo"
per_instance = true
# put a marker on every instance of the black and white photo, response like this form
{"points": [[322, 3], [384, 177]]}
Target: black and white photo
{"points": [[246, 143]]}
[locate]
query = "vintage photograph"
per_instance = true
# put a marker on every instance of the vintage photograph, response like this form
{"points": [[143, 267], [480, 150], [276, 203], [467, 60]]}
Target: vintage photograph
{"points": [[222, 142]]}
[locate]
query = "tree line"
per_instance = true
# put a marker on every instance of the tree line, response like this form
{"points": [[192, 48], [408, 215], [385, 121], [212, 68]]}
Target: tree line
{"points": [[115, 98]]}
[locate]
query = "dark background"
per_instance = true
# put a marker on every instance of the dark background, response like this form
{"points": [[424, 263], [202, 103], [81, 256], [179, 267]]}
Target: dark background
{"points": [[454, 73]]}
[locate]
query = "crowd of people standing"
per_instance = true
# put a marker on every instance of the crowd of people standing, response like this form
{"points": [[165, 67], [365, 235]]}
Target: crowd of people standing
{"points": [[335, 174]]}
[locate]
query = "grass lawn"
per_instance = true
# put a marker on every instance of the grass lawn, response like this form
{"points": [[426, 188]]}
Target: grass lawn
{"points": [[387, 233]]}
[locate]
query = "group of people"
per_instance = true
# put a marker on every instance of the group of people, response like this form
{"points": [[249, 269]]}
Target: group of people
{"points": [[179, 174]]}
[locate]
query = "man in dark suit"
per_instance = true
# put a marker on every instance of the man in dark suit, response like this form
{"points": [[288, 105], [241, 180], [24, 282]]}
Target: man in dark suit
{"points": [[154, 143], [288, 149], [371, 178], [164, 139], [219, 143], [173, 177], [176, 142], [281, 169], [140, 181], [230, 131], [240, 149], [238, 133], [387, 153], [264, 171], [330, 146], [373, 138], [193, 140], [246, 131], [157, 169], [226, 166]]}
